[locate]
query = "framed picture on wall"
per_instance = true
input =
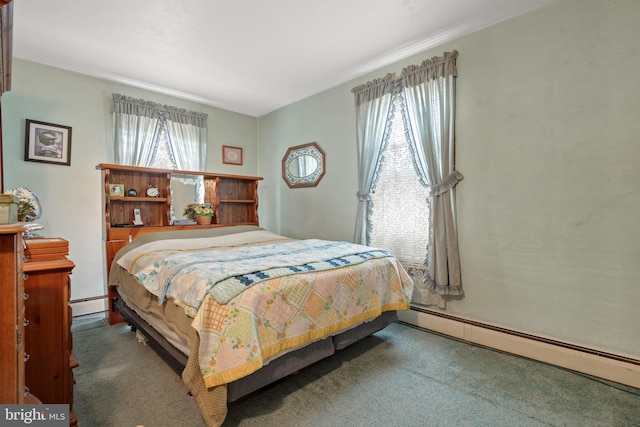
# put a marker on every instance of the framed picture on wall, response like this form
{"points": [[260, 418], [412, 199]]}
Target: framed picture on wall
{"points": [[47, 143], [231, 155]]}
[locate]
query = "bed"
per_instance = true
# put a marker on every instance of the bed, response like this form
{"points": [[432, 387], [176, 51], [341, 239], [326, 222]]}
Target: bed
{"points": [[236, 308]]}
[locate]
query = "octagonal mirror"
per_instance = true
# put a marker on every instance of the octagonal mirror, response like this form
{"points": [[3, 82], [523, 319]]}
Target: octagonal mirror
{"points": [[303, 165]]}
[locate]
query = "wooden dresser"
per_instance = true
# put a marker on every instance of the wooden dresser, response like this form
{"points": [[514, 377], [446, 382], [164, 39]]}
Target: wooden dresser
{"points": [[12, 356], [48, 337]]}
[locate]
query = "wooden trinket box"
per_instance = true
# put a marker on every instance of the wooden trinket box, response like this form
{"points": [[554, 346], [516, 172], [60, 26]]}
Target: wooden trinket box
{"points": [[46, 249]]}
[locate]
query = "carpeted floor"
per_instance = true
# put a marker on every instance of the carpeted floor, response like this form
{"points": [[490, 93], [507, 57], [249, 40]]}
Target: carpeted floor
{"points": [[400, 376]]}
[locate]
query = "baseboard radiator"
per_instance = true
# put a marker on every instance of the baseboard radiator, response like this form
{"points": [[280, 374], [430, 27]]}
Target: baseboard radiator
{"points": [[587, 361], [89, 305]]}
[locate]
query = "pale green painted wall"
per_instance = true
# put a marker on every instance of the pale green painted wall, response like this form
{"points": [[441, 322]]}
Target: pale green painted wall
{"points": [[71, 196], [328, 210], [547, 138]]}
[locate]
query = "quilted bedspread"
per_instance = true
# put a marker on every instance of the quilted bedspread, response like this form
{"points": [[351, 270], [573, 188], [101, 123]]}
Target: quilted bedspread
{"points": [[187, 276], [280, 312], [284, 313]]}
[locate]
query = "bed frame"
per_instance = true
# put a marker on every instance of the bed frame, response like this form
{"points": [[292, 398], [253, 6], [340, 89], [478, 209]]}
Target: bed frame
{"points": [[276, 369], [235, 199]]}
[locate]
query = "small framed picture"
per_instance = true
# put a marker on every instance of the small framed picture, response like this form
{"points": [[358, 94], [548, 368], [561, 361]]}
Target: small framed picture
{"points": [[116, 190], [231, 155], [47, 143]]}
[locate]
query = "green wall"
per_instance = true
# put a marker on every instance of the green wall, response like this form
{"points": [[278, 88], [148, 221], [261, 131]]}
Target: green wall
{"points": [[547, 138], [71, 195], [547, 125]]}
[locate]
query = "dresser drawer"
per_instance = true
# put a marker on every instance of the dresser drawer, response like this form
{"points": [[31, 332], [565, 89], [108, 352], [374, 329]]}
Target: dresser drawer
{"points": [[20, 289], [20, 321], [20, 350], [12, 315], [20, 255], [70, 317], [22, 388]]}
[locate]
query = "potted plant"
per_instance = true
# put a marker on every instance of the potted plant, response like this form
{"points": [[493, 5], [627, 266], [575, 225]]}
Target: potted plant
{"points": [[202, 212]]}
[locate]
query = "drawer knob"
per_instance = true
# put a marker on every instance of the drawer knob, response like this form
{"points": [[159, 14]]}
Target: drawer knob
{"points": [[25, 276], [26, 356], [25, 296], [26, 322]]}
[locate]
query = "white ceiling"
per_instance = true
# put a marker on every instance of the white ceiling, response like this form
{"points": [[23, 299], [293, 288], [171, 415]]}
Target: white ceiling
{"points": [[248, 56]]}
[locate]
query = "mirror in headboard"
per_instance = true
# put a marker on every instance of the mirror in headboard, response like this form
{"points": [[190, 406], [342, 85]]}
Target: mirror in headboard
{"points": [[303, 165], [185, 189]]}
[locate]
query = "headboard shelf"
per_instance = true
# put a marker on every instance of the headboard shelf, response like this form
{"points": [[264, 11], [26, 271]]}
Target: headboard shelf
{"points": [[139, 199], [234, 197]]}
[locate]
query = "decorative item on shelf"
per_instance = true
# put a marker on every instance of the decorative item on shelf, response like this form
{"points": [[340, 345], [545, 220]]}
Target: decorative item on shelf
{"points": [[204, 220], [202, 212], [137, 218], [28, 206], [153, 191], [116, 190], [132, 192]]}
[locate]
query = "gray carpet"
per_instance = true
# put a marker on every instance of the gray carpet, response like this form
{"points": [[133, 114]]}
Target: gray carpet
{"points": [[400, 376]]}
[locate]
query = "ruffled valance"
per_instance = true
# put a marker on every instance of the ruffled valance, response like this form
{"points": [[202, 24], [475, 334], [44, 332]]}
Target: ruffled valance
{"points": [[430, 69], [374, 89], [140, 107]]}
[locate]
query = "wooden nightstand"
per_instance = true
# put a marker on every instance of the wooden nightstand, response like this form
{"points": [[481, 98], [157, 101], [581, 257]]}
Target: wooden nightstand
{"points": [[48, 337]]}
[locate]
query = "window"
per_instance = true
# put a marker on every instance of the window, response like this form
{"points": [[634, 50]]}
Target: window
{"points": [[399, 215], [426, 93], [149, 134]]}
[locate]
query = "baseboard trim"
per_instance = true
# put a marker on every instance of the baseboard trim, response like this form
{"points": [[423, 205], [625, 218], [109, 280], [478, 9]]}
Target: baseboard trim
{"points": [[609, 367], [88, 306]]}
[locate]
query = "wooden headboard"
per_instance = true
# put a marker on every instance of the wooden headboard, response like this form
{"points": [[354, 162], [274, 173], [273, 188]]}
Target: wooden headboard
{"points": [[234, 198]]}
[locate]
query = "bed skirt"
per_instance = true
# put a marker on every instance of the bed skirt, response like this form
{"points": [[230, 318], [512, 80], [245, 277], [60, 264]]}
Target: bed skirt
{"points": [[276, 369]]}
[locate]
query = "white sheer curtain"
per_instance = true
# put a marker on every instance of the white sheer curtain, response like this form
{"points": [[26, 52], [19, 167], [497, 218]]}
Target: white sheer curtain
{"points": [[399, 215], [429, 93], [135, 123], [187, 131], [373, 102]]}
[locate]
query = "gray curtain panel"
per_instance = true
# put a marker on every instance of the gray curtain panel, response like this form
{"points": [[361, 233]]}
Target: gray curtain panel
{"points": [[429, 95], [135, 123], [373, 103]]}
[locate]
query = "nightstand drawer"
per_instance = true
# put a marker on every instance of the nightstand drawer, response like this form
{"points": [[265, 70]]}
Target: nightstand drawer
{"points": [[48, 340]]}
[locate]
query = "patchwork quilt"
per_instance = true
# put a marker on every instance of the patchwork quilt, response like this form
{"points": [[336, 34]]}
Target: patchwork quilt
{"points": [[262, 295]]}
